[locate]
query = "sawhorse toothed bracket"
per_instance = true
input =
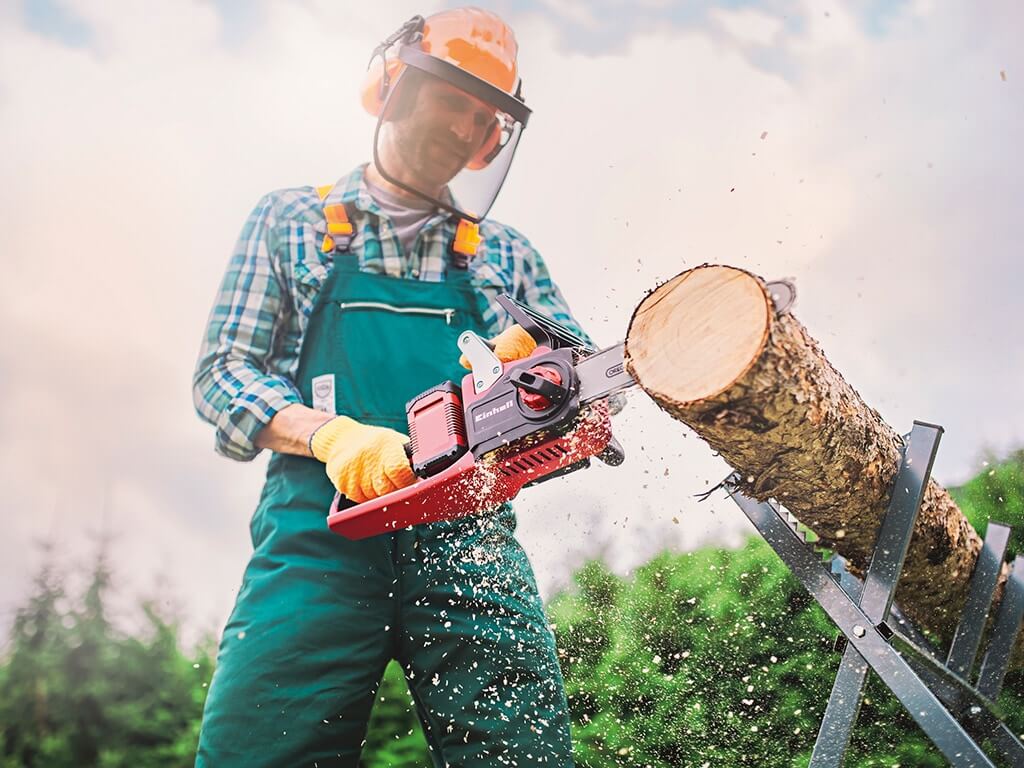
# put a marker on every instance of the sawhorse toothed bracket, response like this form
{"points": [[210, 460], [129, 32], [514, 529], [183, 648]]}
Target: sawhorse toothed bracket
{"points": [[956, 714]]}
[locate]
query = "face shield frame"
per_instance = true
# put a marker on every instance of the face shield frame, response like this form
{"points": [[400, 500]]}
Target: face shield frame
{"points": [[504, 103]]}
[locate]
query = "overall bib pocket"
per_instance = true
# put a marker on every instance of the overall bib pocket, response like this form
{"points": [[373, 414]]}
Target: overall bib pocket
{"points": [[389, 343]]}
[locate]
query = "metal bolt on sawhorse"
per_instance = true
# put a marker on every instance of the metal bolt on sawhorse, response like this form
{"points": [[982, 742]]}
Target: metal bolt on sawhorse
{"points": [[936, 690]]}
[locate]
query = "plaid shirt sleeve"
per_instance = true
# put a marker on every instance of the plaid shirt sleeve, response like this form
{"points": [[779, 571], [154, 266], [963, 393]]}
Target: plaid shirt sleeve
{"points": [[539, 291], [231, 387]]}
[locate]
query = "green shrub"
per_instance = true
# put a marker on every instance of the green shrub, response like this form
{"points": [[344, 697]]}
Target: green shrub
{"points": [[76, 692]]}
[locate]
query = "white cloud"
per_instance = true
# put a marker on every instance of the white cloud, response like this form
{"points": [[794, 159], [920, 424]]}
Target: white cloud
{"points": [[135, 163], [748, 25], [574, 11]]}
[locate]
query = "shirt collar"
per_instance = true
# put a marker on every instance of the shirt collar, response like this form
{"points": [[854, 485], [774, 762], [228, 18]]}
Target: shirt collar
{"points": [[351, 190]]}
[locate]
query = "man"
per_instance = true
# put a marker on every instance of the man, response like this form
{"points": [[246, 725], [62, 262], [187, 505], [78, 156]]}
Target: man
{"points": [[338, 306]]}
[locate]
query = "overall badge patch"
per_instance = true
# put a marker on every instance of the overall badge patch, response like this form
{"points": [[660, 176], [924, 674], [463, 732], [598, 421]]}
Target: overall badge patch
{"points": [[323, 393]]}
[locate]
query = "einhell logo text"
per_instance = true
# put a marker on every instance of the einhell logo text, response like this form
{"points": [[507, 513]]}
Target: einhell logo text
{"points": [[490, 412]]}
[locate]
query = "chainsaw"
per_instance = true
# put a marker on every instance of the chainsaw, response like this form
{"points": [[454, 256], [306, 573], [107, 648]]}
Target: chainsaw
{"points": [[506, 427]]}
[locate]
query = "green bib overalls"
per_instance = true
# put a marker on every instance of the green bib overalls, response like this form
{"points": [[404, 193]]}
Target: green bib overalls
{"points": [[318, 617]]}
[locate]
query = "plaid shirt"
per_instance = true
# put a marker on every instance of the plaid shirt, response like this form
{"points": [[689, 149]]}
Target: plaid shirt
{"points": [[250, 354]]}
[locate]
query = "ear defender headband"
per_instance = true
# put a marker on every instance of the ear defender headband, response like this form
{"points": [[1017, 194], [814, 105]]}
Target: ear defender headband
{"points": [[380, 74]]}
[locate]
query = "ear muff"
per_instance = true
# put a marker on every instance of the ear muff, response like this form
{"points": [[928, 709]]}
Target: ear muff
{"points": [[374, 90], [491, 147]]}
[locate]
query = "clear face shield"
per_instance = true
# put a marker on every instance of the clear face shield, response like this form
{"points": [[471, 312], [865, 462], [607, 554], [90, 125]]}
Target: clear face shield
{"points": [[446, 135]]}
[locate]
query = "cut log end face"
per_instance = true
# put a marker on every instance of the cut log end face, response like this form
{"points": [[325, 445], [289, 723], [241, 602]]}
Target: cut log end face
{"points": [[697, 334]]}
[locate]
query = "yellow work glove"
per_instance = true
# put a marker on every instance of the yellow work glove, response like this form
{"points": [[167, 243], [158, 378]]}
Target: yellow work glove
{"points": [[363, 462], [513, 343]]}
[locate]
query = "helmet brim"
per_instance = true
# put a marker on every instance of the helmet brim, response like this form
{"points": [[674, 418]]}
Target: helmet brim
{"points": [[466, 81]]}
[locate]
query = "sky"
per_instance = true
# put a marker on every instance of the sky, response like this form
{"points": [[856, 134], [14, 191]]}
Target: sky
{"points": [[869, 151]]}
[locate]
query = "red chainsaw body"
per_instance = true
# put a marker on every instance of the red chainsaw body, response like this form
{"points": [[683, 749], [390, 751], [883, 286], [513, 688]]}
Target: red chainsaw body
{"points": [[467, 484]]}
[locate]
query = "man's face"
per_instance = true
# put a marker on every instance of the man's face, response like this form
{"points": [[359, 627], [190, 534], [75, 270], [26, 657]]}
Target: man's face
{"points": [[440, 133]]}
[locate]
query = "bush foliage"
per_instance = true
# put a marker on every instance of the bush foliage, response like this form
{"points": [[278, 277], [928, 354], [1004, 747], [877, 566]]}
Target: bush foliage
{"points": [[77, 692]]}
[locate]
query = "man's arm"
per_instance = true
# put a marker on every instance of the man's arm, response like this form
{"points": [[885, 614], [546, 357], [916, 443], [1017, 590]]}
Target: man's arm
{"points": [[254, 409], [231, 387]]}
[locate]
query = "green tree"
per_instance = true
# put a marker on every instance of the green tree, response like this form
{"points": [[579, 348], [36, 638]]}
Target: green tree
{"points": [[716, 657], [996, 493], [394, 738], [75, 691]]}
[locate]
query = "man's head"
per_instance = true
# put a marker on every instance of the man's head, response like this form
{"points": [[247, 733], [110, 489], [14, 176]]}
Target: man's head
{"points": [[448, 106]]}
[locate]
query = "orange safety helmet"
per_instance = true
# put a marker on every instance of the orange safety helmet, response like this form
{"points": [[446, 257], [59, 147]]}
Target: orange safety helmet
{"points": [[470, 40]]}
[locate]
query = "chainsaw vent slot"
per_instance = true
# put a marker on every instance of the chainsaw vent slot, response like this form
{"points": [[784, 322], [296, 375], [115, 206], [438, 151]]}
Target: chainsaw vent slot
{"points": [[532, 461], [547, 454]]}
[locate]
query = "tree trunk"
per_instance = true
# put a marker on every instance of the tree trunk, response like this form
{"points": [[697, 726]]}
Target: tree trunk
{"points": [[710, 349]]}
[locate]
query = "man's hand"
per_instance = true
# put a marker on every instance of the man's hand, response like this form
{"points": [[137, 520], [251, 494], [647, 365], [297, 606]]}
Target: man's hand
{"points": [[363, 462], [513, 343]]}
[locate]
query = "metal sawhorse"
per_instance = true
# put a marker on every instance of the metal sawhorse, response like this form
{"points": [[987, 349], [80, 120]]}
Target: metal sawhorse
{"points": [[956, 714]]}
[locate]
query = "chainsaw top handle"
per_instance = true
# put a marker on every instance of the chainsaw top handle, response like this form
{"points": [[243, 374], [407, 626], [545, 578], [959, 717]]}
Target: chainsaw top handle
{"points": [[545, 331]]}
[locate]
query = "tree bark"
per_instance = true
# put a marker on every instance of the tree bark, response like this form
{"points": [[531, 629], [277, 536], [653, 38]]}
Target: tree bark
{"points": [[710, 349]]}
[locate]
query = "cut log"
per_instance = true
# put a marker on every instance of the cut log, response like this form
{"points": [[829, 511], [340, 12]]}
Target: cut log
{"points": [[710, 349]]}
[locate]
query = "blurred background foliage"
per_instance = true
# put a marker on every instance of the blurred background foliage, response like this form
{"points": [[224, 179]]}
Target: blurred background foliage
{"points": [[714, 657], [76, 691]]}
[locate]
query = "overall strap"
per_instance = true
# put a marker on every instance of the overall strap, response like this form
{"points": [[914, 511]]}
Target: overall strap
{"points": [[339, 228], [466, 242]]}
